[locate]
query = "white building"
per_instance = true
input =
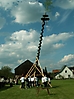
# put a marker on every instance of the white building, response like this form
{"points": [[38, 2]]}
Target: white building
{"points": [[64, 73]]}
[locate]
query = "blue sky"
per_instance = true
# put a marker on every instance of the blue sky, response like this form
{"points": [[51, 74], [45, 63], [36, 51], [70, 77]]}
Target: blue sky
{"points": [[20, 27]]}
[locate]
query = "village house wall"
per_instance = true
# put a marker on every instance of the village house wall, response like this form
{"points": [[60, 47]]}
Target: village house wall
{"points": [[65, 73]]}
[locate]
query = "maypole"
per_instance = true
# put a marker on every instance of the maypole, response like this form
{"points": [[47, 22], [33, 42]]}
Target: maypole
{"points": [[44, 18]]}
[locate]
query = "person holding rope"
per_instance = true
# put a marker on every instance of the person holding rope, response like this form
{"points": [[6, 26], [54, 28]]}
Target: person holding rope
{"points": [[23, 81], [44, 84]]}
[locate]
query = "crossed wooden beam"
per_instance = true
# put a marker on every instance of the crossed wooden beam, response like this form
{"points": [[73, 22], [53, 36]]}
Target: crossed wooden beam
{"points": [[34, 68]]}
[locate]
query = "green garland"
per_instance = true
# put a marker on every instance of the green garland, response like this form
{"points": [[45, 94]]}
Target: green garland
{"points": [[47, 4]]}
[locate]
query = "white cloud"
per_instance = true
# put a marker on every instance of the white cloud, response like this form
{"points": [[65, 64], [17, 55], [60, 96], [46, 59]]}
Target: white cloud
{"points": [[6, 4], [58, 37], [2, 22], [64, 4], [27, 12], [67, 60], [23, 45], [57, 14], [23, 11], [56, 46], [55, 41]]}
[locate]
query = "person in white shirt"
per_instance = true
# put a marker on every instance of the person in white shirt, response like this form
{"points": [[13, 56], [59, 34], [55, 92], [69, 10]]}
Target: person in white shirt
{"points": [[44, 81], [22, 79]]}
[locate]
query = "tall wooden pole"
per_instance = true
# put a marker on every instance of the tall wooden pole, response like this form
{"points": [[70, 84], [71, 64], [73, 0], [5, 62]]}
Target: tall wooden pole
{"points": [[44, 18]]}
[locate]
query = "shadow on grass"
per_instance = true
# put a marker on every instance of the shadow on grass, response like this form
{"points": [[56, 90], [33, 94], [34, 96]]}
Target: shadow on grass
{"points": [[5, 88], [55, 86], [46, 94], [53, 94]]}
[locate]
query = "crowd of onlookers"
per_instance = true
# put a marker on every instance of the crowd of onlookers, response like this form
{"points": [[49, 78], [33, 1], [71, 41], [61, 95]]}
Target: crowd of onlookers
{"points": [[10, 81], [2, 82]]}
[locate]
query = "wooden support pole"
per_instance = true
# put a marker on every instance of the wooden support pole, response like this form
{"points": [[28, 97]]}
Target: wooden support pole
{"points": [[30, 70], [39, 71]]}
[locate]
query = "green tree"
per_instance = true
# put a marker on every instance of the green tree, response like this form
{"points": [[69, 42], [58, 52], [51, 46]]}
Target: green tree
{"points": [[45, 71], [6, 68], [6, 72]]}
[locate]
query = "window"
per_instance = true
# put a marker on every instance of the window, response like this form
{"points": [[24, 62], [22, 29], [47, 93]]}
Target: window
{"points": [[65, 71]]}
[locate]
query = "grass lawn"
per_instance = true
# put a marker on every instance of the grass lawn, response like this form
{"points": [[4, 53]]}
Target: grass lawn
{"points": [[62, 89]]}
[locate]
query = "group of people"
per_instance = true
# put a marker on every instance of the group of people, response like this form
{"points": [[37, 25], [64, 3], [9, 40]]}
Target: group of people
{"points": [[29, 82]]}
